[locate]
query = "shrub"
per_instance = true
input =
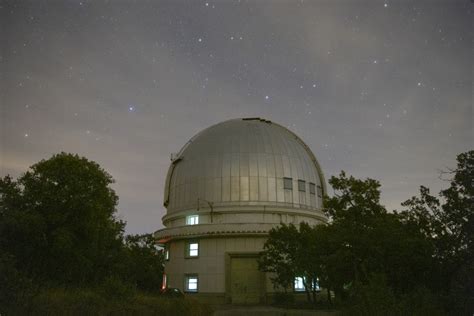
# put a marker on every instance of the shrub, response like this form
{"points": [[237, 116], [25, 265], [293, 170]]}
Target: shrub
{"points": [[71, 302]]}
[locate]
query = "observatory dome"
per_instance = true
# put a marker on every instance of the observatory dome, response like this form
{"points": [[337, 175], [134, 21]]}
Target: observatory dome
{"points": [[225, 190], [244, 162]]}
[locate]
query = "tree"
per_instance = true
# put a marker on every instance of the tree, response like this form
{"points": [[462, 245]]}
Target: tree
{"points": [[58, 221], [360, 240], [364, 239], [289, 253], [449, 225], [145, 264], [280, 255], [407, 262]]}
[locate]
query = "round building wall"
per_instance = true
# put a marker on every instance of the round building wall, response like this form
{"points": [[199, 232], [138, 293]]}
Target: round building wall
{"points": [[226, 188]]}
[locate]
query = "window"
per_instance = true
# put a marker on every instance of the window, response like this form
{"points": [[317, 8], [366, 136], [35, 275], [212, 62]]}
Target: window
{"points": [[288, 183], [192, 249], [320, 191], [167, 252], [312, 188], [316, 285], [192, 219], [301, 186], [191, 283], [164, 284], [299, 286]]}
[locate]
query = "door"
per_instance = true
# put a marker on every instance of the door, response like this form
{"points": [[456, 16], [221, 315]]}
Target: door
{"points": [[245, 280]]}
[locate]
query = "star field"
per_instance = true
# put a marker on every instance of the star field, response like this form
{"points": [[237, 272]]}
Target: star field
{"points": [[379, 89]]}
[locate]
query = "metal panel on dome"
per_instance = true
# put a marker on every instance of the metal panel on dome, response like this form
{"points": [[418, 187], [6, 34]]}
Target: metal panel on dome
{"points": [[240, 161]]}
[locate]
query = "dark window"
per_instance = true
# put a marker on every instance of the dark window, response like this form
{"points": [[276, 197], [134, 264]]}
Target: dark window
{"points": [[320, 191], [301, 186], [312, 188], [288, 183]]}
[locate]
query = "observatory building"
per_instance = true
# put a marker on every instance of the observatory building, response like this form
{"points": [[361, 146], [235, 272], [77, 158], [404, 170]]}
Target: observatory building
{"points": [[225, 189]]}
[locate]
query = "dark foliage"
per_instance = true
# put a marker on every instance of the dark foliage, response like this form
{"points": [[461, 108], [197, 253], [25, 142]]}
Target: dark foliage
{"points": [[419, 261], [58, 230]]}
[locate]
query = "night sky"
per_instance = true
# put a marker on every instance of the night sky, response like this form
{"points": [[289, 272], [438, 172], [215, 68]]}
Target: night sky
{"points": [[380, 89]]}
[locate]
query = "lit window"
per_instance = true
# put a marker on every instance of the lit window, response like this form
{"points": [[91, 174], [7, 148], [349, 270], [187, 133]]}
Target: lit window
{"points": [[192, 219], [288, 183], [320, 191], [299, 286], [167, 252], [301, 186], [192, 249], [191, 283], [316, 285], [312, 188]]}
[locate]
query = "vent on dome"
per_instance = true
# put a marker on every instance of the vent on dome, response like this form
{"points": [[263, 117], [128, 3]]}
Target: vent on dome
{"points": [[256, 119]]}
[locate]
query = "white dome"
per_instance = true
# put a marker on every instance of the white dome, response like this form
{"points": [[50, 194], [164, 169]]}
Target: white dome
{"points": [[248, 161]]}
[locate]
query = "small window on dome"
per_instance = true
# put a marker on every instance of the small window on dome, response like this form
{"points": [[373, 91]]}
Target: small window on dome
{"points": [[288, 183], [192, 219], [312, 188], [301, 185], [320, 191]]}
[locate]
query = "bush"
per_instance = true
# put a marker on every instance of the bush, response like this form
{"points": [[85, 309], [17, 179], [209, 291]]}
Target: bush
{"points": [[420, 301], [115, 288], [283, 299], [15, 287], [71, 302], [377, 298]]}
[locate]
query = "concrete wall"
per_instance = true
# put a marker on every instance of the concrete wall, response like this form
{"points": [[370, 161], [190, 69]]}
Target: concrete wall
{"points": [[210, 265]]}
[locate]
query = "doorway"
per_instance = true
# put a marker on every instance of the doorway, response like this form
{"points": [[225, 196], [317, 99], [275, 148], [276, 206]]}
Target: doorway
{"points": [[246, 281]]}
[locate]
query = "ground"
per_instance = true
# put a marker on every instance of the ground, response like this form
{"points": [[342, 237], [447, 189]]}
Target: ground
{"points": [[235, 310]]}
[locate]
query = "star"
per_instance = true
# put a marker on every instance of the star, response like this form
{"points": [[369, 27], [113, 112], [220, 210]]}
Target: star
{"points": [[385, 5], [199, 40], [26, 135], [419, 84], [207, 4], [314, 85], [267, 97]]}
